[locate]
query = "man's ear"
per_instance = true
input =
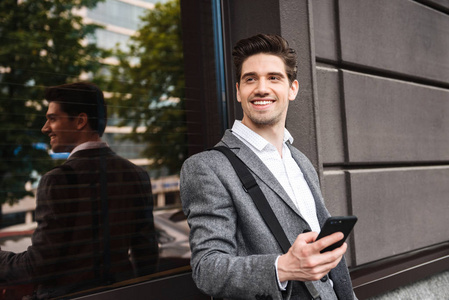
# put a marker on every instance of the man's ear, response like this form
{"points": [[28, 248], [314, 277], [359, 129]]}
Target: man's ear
{"points": [[82, 121], [238, 92], [293, 90]]}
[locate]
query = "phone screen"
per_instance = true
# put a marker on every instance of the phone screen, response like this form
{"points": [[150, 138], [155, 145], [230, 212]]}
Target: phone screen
{"points": [[337, 224]]}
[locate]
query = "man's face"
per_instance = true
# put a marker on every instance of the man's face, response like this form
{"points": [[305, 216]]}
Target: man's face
{"points": [[264, 91], [61, 129]]}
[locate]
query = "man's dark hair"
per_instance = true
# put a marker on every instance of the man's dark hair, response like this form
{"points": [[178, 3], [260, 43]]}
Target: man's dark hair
{"points": [[81, 97], [268, 44]]}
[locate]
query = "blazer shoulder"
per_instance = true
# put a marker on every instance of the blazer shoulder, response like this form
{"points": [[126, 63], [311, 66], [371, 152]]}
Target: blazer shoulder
{"points": [[208, 157], [228, 140], [57, 172]]}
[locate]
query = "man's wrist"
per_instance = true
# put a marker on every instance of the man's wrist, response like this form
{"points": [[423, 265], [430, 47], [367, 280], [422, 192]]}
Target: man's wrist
{"points": [[282, 284]]}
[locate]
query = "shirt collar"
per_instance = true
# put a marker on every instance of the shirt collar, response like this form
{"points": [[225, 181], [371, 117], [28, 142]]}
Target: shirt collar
{"points": [[255, 139], [89, 145]]}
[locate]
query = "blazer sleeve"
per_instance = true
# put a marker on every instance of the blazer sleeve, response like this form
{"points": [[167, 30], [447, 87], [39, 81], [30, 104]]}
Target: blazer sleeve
{"points": [[144, 248], [217, 268], [29, 265]]}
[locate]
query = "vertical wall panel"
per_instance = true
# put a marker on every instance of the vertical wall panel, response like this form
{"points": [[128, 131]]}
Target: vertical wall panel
{"points": [[330, 115], [325, 29], [383, 94], [302, 119], [395, 121], [399, 36], [337, 200], [399, 210], [335, 193]]}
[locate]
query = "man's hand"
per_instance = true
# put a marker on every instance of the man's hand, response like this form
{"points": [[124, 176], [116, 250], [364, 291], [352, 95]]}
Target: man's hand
{"points": [[304, 262]]}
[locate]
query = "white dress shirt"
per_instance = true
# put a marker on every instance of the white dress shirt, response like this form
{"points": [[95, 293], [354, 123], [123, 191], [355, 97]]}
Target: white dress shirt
{"points": [[284, 168], [286, 171]]}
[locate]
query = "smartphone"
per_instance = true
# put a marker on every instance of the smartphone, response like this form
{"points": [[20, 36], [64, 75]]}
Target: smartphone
{"points": [[337, 224]]}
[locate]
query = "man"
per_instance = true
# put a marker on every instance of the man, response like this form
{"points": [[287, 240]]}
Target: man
{"points": [[234, 254], [94, 212]]}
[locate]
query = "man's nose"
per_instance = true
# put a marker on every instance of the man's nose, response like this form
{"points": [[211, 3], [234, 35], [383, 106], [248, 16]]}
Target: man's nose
{"points": [[262, 88], [45, 128]]}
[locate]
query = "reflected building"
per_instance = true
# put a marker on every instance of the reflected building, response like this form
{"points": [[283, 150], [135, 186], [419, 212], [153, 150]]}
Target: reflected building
{"points": [[120, 20]]}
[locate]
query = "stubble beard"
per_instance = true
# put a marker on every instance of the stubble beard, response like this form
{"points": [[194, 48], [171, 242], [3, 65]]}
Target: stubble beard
{"points": [[262, 121]]}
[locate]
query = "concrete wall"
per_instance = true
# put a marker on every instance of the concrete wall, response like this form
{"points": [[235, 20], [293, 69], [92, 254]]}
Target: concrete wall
{"points": [[383, 111], [372, 115]]}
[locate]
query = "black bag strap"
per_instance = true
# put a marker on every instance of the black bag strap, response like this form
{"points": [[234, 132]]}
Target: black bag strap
{"points": [[252, 188]]}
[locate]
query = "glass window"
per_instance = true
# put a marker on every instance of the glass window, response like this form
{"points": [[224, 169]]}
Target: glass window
{"points": [[96, 225], [118, 13]]}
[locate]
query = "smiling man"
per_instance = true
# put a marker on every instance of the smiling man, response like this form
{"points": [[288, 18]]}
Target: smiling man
{"points": [[64, 130], [234, 253], [94, 212]]}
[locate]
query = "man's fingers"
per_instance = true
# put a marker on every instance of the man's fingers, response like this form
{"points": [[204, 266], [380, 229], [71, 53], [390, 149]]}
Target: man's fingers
{"points": [[308, 237], [328, 240], [304, 261]]}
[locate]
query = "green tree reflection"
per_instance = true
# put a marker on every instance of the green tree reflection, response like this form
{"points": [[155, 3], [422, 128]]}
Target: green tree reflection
{"points": [[150, 90], [41, 45]]}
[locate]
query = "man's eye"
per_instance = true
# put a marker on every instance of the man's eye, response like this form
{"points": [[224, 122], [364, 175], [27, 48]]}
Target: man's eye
{"points": [[249, 79], [274, 78]]}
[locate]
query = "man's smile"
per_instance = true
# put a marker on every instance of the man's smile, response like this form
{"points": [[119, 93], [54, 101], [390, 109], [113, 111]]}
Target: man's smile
{"points": [[262, 102]]}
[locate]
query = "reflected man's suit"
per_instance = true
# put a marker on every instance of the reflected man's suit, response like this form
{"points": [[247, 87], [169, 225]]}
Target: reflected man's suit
{"points": [[95, 226]]}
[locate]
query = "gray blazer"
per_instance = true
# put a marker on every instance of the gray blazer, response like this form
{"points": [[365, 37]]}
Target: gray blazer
{"points": [[233, 250]]}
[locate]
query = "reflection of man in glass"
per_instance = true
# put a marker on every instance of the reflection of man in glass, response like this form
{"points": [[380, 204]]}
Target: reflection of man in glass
{"points": [[94, 212]]}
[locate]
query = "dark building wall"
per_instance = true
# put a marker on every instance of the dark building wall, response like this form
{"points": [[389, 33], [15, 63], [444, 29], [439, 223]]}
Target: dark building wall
{"points": [[372, 115], [383, 114]]}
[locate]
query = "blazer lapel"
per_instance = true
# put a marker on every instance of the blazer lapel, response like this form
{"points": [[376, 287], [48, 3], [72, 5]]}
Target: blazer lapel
{"points": [[257, 167], [313, 184]]}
